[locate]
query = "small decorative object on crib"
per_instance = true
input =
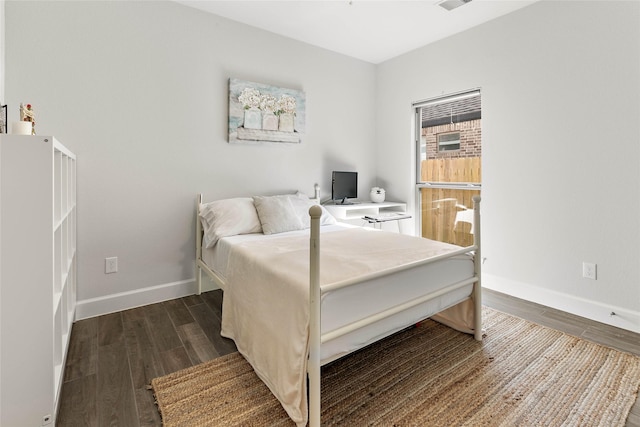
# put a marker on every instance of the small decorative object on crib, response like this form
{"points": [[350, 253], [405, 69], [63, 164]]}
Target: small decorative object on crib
{"points": [[377, 195]]}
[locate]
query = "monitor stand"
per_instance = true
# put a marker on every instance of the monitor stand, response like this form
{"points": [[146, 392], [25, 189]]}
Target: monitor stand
{"points": [[344, 202]]}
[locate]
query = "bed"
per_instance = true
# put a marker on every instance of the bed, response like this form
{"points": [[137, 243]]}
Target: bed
{"points": [[291, 307]]}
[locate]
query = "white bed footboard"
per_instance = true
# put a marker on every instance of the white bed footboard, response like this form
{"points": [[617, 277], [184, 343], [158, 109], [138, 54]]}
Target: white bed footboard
{"points": [[316, 338]]}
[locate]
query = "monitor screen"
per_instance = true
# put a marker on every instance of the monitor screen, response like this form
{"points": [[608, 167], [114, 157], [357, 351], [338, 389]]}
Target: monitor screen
{"points": [[344, 185]]}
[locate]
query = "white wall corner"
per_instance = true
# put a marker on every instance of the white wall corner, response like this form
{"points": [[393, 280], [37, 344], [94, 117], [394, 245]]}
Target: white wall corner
{"points": [[594, 310]]}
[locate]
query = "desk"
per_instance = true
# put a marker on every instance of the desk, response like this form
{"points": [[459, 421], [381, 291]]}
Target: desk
{"points": [[356, 212]]}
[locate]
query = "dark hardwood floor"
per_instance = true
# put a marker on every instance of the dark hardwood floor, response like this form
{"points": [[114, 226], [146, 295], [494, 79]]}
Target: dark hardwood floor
{"points": [[113, 358]]}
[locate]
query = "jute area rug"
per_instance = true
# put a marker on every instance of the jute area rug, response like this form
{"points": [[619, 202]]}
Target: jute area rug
{"points": [[522, 374]]}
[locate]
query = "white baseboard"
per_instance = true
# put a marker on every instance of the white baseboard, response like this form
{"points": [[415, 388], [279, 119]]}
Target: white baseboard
{"points": [[93, 307], [594, 310], [623, 318]]}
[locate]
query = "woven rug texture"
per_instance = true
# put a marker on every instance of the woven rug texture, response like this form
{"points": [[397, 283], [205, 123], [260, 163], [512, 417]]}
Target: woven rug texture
{"points": [[521, 374]]}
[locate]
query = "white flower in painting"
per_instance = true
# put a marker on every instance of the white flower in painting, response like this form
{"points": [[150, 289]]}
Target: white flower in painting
{"points": [[250, 98], [268, 103], [286, 104]]}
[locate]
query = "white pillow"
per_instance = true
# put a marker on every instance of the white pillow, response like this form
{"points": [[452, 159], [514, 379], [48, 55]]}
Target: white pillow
{"points": [[301, 203], [228, 217], [277, 214]]}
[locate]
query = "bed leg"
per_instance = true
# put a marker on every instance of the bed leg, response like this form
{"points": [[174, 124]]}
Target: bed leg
{"points": [[477, 311], [477, 287], [313, 366], [198, 245], [314, 396], [198, 280]]}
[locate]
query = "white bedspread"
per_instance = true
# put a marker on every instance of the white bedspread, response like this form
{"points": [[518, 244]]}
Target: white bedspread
{"points": [[266, 308]]}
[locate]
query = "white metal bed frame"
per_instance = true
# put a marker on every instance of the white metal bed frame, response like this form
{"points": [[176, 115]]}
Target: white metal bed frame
{"points": [[200, 264], [316, 338]]}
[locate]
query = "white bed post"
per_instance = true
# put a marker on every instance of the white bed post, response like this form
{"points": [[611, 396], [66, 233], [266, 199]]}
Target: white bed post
{"points": [[313, 367], [477, 286], [198, 245]]}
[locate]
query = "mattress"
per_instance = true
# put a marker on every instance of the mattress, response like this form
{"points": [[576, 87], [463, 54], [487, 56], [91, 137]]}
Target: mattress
{"points": [[217, 258]]}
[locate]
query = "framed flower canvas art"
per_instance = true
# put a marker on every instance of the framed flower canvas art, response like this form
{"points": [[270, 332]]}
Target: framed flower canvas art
{"points": [[263, 113]]}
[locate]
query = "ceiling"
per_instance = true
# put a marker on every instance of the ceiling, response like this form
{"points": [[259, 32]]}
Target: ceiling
{"points": [[370, 30]]}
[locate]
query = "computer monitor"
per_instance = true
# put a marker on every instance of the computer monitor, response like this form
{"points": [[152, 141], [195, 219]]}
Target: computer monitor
{"points": [[344, 185]]}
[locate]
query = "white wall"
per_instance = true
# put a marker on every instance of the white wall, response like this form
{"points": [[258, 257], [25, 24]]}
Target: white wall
{"points": [[2, 52], [560, 88], [139, 90]]}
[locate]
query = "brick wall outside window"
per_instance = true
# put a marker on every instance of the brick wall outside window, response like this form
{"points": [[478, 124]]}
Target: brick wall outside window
{"points": [[470, 139]]}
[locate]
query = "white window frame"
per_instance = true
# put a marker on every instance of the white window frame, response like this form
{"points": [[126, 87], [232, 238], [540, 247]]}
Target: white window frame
{"points": [[417, 106]]}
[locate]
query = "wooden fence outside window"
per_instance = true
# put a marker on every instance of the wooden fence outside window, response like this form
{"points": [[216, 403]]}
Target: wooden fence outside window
{"points": [[447, 213]]}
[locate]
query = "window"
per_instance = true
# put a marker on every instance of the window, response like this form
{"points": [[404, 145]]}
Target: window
{"points": [[448, 169], [448, 141]]}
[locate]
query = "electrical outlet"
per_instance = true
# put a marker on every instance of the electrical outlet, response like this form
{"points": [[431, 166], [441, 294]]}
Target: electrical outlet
{"points": [[111, 265], [589, 270]]}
